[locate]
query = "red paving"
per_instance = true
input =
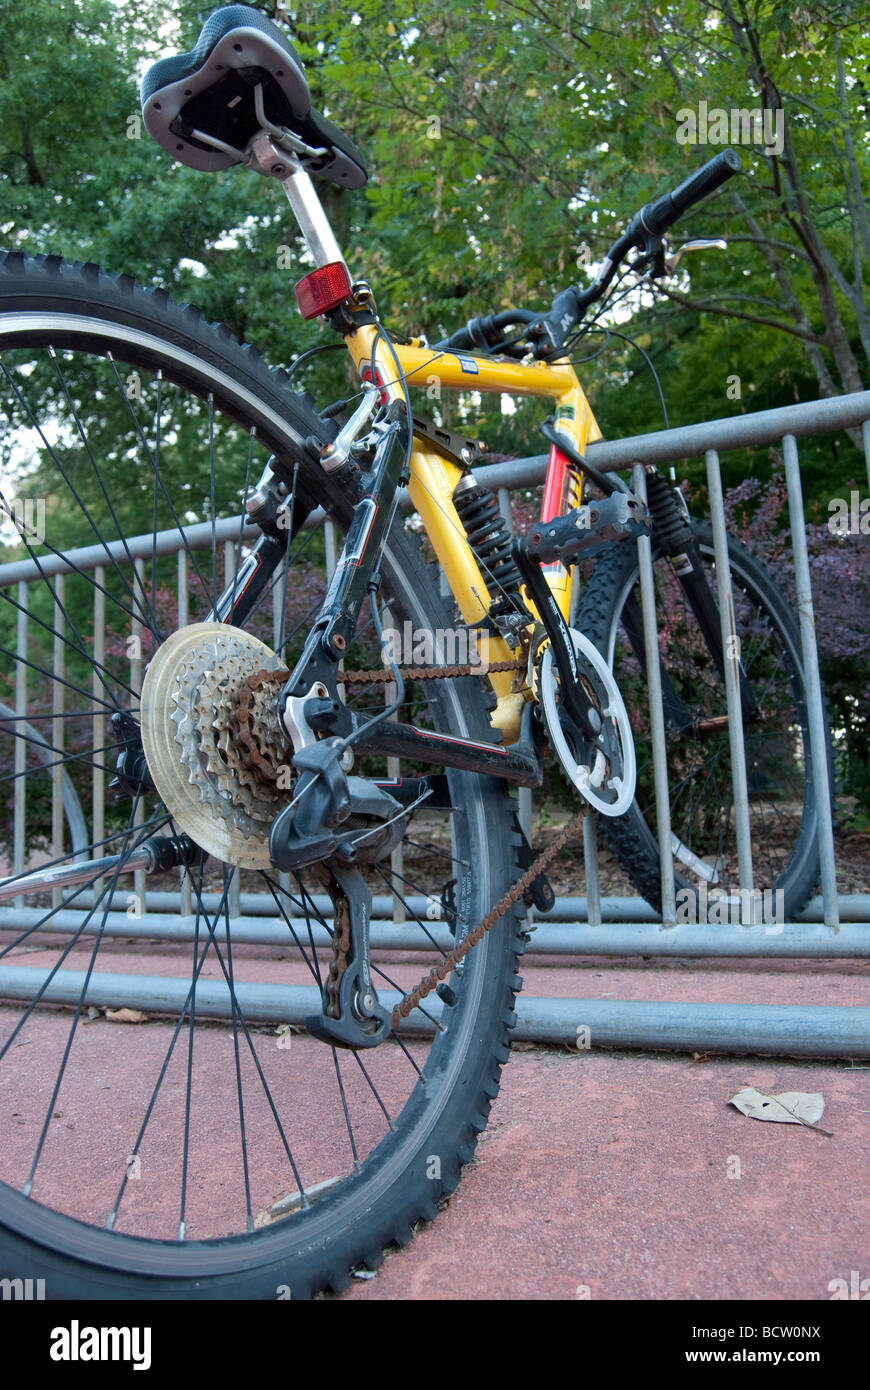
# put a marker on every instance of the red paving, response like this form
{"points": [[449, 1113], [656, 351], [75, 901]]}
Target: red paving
{"points": [[606, 1177], [601, 1175]]}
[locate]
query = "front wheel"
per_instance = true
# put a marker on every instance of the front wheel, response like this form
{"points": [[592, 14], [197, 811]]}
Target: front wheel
{"points": [[171, 1149], [783, 816]]}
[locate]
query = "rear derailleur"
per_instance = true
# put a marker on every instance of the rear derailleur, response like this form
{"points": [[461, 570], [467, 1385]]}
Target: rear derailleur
{"points": [[335, 822]]}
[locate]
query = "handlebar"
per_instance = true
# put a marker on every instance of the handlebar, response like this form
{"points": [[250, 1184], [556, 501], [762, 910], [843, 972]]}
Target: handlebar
{"points": [[485, 331], [643, 232], [658, 216]]}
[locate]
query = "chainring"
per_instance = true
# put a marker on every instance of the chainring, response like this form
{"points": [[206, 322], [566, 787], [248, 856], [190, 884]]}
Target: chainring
{"points": [[608, 781]]}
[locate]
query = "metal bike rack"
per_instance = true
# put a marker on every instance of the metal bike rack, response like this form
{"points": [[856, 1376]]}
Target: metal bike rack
{"points": [[832, 926]]}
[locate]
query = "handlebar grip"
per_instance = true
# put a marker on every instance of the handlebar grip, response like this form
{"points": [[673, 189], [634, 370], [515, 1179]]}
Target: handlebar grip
{"points": [[657, 217], [706, 179]]}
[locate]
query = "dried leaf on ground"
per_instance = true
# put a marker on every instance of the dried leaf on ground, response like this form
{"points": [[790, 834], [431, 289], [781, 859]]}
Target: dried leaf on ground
{"points": [[788, 1108], [126, 1016]]}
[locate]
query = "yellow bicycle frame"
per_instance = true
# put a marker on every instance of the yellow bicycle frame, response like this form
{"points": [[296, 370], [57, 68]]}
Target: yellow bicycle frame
{"points": [[434, 477]]}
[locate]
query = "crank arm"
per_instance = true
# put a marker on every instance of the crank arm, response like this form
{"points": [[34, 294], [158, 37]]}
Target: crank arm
{"points": [[576, 702], [352, 1014]]}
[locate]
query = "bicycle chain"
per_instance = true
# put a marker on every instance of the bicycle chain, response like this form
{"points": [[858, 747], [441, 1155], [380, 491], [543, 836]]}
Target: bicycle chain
{"points": [[340, 947], [428, 673], [440, 972]]}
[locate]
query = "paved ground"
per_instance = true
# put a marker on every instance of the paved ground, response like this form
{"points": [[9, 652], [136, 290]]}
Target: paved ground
{"points": [[602, 1175], [607, 1177], [628, 1176]]}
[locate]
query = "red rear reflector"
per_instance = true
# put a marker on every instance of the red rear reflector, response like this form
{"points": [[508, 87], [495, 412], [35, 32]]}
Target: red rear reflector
{"points": [[366, 375], [322, 290]]}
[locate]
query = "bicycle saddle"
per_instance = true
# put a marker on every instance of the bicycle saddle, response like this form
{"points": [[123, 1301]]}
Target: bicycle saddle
{"points": [[210, 90]]}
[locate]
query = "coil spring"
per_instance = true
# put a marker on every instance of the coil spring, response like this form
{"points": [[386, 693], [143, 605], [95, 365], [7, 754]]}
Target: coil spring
{"points": [[670, 527], [490, 540]]}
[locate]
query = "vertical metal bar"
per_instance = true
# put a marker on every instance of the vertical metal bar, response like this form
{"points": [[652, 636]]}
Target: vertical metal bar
{"points": [[329, 544], [731, 650], [98, 776], [590, 861], [815, 706], [234, 901], [19, 800], [656, 712], [229, 562], [397, 857], [182, 589], [181, 594], [278, 593], [136, 665], [57, 731], [394, 769], [279, 596], [865, 431]]}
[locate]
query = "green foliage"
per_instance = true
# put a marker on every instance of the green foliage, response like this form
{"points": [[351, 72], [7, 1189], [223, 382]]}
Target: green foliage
{"points": [[503, 140]]}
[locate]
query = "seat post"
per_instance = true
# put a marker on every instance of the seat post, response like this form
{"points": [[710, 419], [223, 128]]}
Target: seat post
{"points": [[309, 213]]}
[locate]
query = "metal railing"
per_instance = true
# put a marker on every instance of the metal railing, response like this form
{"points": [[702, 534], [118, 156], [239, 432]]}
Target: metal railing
{"points": [[830, 926]]}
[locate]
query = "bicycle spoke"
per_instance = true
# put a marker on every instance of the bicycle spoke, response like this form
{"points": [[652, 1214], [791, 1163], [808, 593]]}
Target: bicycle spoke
{"points": [[177, 454], [58, 762], [249, 1215], [72, 489], [188, 1093], [163, 490], [104, 491], [77, 647], [28, 1186], [387, 877]]}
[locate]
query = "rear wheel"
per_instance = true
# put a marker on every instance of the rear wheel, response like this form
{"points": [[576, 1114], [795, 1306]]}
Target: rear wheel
{"points": [[195, 1154], [783, 814]]}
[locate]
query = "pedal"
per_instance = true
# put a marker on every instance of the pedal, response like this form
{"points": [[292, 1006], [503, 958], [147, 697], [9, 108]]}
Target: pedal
{"points": [[567, 538]]}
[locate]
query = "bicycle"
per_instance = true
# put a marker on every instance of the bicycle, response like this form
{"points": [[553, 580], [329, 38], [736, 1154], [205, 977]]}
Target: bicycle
{"points": [[235, 751]]}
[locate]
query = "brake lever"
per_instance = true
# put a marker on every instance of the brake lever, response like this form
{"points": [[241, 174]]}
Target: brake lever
{"points": [[702, 243]]}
